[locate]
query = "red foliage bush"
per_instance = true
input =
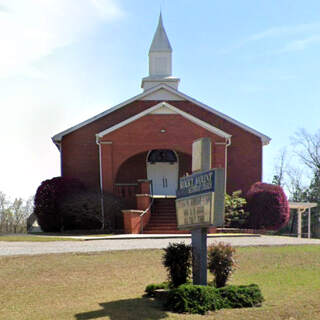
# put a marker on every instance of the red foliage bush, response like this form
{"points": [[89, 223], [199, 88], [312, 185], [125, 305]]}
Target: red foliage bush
{"points": [[47, 200], [268, 207]]}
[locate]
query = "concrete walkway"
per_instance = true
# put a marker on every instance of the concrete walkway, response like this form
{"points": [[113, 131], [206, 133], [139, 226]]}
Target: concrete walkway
{"points": [[33, 248]]}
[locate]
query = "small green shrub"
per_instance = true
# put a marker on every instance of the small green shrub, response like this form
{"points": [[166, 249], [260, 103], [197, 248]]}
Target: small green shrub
{"points": [[151, 288], [235, 214], [241, 296], [201, 299], [177, 261], [194, 299], [220, 262]]}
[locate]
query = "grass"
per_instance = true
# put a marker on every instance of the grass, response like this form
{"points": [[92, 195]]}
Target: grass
{"points": [[110, 285], [32, 238]]}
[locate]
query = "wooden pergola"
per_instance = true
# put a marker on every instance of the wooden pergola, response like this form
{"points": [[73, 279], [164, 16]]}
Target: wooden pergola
{"points": [[301, 207]]}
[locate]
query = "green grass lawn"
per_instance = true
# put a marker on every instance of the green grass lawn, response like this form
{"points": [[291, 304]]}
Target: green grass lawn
{"points": [[110, 285]]}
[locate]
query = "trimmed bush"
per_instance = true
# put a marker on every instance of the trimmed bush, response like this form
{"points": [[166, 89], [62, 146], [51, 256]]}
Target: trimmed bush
{"points": [[177, 261], [201, 299], [268, 207], [47, 201], [220, 262], [241, 296], [194, 299], [235, 214], [65, 204]]}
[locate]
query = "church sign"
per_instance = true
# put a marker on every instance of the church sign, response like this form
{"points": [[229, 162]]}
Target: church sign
{"points": [[200, 200]]}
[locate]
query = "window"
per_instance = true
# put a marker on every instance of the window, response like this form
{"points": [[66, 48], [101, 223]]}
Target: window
{"points": [[162, 156]]}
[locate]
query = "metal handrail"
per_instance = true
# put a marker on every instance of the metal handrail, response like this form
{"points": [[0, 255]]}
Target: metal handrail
{"points": [[145, 211]]}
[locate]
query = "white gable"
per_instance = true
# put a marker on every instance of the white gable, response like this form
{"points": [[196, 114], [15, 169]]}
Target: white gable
{"points": [[163, 110], [162, 94], [165, 106]]}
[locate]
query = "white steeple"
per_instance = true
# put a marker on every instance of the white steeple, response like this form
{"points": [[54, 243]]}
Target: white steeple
{"points": [[160, 61]]}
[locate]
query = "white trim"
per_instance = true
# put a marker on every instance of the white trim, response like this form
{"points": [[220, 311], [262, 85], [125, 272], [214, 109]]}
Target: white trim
{"points": [[188, 116], [100, 167], [163, 110], [162, 94], [265, 139]]}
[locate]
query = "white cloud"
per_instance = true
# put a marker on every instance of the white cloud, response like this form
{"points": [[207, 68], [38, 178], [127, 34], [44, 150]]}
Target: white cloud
{"points": [[282, 31], [302, 36], [298, 45], [33, 29]]}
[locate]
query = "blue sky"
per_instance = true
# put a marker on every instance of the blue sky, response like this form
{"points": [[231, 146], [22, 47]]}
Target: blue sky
{"points": [[62, 62]]}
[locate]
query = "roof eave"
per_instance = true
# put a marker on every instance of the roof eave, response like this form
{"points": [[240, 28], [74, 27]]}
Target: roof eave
{"points": [[265, 139]]}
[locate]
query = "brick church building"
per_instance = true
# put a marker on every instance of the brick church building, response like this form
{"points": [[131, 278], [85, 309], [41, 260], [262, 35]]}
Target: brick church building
{"points": [[139, 148]]}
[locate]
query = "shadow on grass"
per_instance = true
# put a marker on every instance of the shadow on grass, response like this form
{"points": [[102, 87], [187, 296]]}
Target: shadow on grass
{"points": [[129, 309]]}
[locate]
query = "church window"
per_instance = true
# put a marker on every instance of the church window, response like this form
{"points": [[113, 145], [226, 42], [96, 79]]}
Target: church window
{"points": [[163, 155]]}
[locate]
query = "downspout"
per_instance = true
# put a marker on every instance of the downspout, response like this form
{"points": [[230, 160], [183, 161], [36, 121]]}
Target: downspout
{"points": [[228, 144], [101, 184], [61, 168]]}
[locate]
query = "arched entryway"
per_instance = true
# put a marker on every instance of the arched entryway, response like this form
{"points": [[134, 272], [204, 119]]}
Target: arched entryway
{"points": [[163, 170]]}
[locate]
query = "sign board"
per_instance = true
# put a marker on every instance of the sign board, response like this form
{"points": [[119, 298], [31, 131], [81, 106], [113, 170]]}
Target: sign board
{"points": [[200, 200], [201, 154]]}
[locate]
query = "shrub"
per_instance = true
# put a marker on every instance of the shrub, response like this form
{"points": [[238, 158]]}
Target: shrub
{"points": [[220, 262], [48, 198], [235, 214], [268, 207], [65, 204], [241, 296], [82, 210], [200, 299], [194, 299], [177, 260]]}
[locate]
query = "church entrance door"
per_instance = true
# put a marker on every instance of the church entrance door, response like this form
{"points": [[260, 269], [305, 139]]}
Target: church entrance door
{"points": [[162, 169]]}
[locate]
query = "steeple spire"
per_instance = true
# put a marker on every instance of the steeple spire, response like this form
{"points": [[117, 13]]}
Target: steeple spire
{"points": [[160, 60], [160, 40]]}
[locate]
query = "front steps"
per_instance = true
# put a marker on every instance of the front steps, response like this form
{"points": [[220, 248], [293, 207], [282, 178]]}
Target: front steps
{"points": [[163, 218]]}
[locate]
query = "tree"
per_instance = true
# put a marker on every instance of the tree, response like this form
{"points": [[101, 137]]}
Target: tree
{"points": [[19, 212], [297, 189], [308, 151], [14, 214], [280, 168], [268, 206], [313, 194], [3, 211], [308, 148]]}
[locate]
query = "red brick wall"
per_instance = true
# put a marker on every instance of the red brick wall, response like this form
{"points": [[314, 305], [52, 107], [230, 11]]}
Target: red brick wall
{"points": [[80, 157], [133, 169], [145, 134]]}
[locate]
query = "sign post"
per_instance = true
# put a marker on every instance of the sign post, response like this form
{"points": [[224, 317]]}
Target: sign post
{"points": [[200, 204]]}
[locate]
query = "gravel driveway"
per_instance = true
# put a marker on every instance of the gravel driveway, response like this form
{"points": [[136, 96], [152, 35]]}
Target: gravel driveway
{"points": [[32, 248]]}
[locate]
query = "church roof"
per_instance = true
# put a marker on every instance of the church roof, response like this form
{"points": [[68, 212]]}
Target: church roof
{"points": [[58, 137], [160, 42]]}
